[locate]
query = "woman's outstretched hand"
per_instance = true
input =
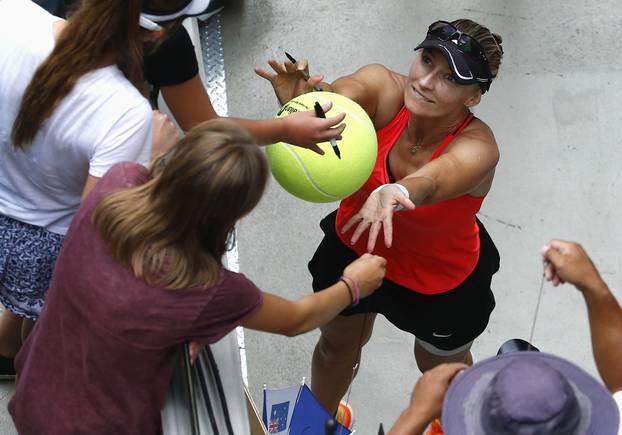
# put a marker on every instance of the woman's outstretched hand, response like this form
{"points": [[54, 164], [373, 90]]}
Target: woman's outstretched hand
{"points": [[288, 80], [377, 212]]}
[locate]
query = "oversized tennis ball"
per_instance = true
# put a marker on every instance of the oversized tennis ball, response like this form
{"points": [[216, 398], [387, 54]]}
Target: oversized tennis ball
{"points": [[316, 178]]}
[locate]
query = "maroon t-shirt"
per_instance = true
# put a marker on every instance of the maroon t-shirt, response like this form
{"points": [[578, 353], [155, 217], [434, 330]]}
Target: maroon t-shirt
{"points": [[100, 357]]}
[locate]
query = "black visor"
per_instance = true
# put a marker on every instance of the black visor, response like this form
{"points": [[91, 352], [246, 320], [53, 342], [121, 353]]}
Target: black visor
{"points": [[464, 55]]}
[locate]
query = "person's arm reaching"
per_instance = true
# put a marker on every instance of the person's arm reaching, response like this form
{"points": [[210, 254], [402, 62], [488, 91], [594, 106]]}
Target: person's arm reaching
{"points": [[427, 399], [568, 262], [189, 102], [281, 316], [190, 105]]}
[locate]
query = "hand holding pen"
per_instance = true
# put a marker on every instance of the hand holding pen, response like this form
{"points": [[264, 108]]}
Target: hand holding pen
{"points": [[289, 79], [319, 112], [303, 70]]}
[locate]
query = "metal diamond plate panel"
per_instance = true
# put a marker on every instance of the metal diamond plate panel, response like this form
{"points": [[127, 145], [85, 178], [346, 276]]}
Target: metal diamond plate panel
{"points": [[214, 62], [212, 50]]}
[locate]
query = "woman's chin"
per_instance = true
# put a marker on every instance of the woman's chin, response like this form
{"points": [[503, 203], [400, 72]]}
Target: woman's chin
{"points": [[419, 108]]}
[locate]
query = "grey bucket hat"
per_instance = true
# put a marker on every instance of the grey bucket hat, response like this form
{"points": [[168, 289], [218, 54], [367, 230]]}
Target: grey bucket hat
{"points": [[528, 393]]}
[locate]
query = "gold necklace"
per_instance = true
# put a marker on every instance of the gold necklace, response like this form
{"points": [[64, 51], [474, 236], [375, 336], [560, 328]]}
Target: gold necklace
{"points": [[415, 149]]}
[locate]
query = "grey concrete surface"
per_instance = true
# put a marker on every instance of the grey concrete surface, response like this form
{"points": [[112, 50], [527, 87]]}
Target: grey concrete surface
{"points": [[555, 111]]}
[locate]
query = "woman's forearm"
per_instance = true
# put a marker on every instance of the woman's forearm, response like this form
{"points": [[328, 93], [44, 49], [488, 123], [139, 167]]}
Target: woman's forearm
{"points": [[409, 423], [265, 131], [419, 188], [319, 308], [282, 316]]}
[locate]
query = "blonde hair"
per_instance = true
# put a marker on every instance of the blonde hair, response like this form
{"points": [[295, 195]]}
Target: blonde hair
{"points": [[490, 42], [173, 230]]}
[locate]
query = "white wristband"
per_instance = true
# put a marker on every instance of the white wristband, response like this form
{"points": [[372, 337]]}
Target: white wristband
{"points": [[401, 188]]}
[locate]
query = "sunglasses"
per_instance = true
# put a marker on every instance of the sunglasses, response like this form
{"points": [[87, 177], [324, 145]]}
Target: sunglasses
{"points": [[468, 45]]}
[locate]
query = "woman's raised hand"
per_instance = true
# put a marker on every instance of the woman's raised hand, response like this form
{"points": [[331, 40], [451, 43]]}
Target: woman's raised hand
{"points": [[368, 272], [377, 212], [288, 80]]}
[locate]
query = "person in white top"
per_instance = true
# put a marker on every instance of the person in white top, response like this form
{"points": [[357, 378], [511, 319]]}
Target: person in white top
{"points": [[70, 108], [533, 392]]}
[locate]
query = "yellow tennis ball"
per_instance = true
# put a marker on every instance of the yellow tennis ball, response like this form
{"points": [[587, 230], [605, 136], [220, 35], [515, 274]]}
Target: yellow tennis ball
{"points": [[326, 178]]}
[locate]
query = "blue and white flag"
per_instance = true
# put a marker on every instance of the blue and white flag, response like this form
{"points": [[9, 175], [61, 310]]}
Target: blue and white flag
{"points": [[278, 407]]}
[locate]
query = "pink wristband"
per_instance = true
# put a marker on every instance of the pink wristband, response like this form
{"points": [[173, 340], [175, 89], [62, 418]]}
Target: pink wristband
{"points": [[354, 286]]}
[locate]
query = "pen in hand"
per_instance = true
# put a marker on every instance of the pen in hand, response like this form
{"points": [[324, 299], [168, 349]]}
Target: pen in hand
{"points": [[304, 73], [319, 112]]}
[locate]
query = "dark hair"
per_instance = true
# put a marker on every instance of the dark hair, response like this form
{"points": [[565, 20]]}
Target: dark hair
{"points": [[98, 31], [490, 42]]}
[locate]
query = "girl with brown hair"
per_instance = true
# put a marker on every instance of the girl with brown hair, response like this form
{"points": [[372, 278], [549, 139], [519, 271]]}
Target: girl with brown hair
{"points": [[140, 272]]}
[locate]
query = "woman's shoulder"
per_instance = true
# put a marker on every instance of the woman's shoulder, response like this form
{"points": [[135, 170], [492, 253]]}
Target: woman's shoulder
{"points": [[121, 175], [478, 138], [478, 131], [380, 91], [110, 84], [127, 174], [237, 280], [381, 78]]}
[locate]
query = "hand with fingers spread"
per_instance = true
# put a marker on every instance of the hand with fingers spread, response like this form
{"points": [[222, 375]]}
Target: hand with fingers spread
{"points": [[568, 262], [377, 212], [306, 130], [288, 79]]}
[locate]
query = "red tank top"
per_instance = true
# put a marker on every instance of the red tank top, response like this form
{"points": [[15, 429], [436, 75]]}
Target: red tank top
{"points": [[436, 246]]}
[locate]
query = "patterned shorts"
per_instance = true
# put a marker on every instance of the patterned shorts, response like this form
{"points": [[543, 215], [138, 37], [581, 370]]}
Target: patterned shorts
{"points": [[27, 257]]}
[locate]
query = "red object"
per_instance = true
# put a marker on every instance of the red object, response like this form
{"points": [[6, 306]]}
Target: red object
{"points": [[435, 428], [273, 426], [344, 415], [436, 246]]}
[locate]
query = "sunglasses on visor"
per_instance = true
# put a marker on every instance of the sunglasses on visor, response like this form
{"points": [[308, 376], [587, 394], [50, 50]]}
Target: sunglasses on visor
{"points": [[468, 45]]}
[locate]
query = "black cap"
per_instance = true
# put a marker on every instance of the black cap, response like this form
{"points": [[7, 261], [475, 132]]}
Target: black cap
{"points": [[466, 69]]}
